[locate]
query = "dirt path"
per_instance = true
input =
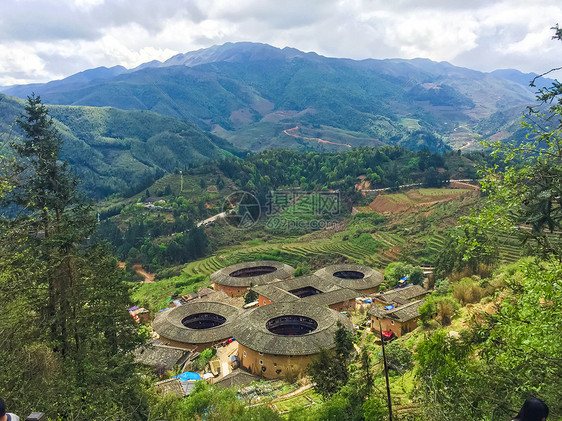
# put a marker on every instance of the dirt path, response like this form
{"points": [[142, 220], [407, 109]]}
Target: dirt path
{"points": [[212, 219], [363, 338], [294, 392], [288, 133], [148, 277]]}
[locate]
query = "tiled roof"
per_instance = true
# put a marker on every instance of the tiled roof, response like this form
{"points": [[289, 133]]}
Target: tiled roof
{"points": [[278, 291], [168, 324], [173, 386], [401, 295], [274, 293], [237, 377], [223, 276], [401, 314], [370, 278], [162, 356], [332, 297], [251, 329]]}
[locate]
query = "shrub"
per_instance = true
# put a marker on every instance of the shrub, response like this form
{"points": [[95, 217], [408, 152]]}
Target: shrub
{"points": [[397, 270], [398, 357], [467, 291], [291, 375], [203, 359], [444, 308]]}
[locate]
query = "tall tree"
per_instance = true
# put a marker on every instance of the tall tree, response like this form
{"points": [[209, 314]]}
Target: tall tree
{"points": [[329, 370], [48, 185], [71, 295]]}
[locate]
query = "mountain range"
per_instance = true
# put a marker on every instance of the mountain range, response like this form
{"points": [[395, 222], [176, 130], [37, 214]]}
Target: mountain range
{"points": [[257, 96]]}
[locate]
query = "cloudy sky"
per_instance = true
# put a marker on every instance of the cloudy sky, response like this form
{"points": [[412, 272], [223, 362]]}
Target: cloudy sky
{"points": [[42, 40]]}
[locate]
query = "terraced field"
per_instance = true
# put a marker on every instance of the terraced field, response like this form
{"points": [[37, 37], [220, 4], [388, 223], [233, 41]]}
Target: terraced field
{"points": [[299, 250], [392, 245], [415, 199], [299, 401], [510, 249], [442, 192], [436, 243]]}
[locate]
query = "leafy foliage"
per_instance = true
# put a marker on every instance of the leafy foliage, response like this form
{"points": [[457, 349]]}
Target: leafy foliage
{"points": [[329, 370], [398, 270], [509, 355], [250, 296], [210, 402], [399, 358], [442, 307]]}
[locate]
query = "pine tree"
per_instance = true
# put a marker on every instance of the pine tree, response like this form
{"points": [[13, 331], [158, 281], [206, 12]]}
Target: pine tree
{"points": [[73, 295]]}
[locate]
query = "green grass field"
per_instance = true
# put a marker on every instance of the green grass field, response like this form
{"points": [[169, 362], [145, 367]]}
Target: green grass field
{"points": [[305, 399]]}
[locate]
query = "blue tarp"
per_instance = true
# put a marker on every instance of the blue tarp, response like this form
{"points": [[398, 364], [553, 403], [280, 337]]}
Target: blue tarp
{"points": [[405, 278], [368, 301], [389, 307], [188, 375]]}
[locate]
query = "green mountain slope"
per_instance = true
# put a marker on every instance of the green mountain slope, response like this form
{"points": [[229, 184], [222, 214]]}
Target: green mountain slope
{"points": [[115, 151], [251, 93]]}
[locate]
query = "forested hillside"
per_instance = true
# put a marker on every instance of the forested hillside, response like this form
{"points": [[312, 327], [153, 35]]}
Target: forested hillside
{"points": [[116, 151], [462, 249]]}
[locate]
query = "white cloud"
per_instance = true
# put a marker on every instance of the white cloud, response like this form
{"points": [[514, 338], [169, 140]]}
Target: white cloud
{"points": [[439, 36], [88, 4], [45, 39], [20, 64]]}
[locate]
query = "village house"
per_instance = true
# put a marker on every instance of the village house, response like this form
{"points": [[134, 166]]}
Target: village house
{"points": [[280, 338], [360, 278], [196, 325], [399, 320], [309, 289], [400, 296], [237, 279]]}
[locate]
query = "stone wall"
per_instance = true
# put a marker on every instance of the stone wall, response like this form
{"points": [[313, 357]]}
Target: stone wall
{"points": [[271, 366]]}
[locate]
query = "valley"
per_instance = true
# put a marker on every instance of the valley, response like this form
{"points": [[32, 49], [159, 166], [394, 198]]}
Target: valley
{"points": [[248, 232]]}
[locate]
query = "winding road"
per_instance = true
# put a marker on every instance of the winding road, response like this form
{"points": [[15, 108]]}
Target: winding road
{"points": [[288, 132]]}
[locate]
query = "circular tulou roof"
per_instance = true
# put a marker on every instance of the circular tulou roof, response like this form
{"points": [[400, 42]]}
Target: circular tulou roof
{"points": [[252, 273], [168, 324], [352, 276], [251, 330]]}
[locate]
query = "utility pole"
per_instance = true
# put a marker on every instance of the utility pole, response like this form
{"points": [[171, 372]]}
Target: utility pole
{"points": [[181, 181], [386, 375]]}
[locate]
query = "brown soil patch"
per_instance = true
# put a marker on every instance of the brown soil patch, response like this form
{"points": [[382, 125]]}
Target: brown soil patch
{"points": [[363, 184], [500, 136], [382, 204], [412, 200], [242, 117], [148, 277], [463, 185]]}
